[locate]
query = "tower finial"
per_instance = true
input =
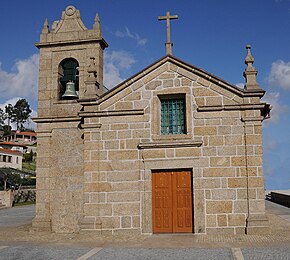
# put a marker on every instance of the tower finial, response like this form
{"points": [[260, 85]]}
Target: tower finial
{"points": [[45, 28], [250, 72], [249, 58], [168, 17], [97, 25]]}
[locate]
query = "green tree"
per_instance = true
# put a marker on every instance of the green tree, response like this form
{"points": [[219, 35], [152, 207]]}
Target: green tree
{"points": [[7, 129], [28, 157], [10, 174], [9, 111], [21, 112], [2, 117]]}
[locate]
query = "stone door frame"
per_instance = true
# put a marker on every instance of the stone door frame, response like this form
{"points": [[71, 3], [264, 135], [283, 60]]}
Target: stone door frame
{"points": [[149, 165]]}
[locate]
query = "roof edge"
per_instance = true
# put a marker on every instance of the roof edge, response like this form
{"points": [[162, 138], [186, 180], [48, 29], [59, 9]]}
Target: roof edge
{"points": [[191, 68]]}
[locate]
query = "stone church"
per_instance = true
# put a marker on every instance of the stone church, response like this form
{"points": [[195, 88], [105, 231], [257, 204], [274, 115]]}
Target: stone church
{"points": [[173, 149]]}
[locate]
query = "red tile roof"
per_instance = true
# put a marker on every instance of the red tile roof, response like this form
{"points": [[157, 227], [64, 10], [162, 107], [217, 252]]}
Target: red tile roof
{"points": [[27, 133], [2, 150], [22, 133], [12, 144]]}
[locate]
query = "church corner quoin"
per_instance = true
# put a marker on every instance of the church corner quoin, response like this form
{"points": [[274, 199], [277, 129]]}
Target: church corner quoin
{"points": [[172, 149]]}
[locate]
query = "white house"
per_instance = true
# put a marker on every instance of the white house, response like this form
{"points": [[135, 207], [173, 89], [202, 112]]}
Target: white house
{"points": [[10, 158]]}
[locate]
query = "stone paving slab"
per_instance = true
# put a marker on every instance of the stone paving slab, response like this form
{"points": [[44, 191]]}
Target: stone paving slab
{"points": [[45, 252], [277, 209], [41, 253], [278, 217], [16, 216], [161, 254], [266, 253]]}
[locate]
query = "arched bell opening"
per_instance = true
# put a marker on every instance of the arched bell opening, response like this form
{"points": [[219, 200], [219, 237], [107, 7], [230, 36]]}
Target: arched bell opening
{"points": [[68, 79]]}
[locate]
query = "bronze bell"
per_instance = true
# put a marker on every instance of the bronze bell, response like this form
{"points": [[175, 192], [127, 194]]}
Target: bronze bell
{"points": [[70, 91]]}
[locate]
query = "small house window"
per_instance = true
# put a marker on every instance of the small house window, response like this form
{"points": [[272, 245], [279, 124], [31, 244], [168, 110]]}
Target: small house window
{"points": [[68, 72], [9, 159], [172, 116]]}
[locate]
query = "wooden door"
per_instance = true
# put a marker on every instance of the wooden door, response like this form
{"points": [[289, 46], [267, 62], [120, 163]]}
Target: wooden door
{"points": [[172, 202]]}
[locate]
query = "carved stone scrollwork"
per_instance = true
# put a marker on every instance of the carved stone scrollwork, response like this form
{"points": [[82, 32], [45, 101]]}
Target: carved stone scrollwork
{"points": [[91, 83], [92, 69], [70, 10]]}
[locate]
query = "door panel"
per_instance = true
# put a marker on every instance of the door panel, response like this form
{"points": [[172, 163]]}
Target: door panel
{"points": [[162, 202], [172, 202], [182, 202]]}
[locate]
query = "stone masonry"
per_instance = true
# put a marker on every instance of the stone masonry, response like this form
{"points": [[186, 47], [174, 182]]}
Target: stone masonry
{"points": [[96, 154]]}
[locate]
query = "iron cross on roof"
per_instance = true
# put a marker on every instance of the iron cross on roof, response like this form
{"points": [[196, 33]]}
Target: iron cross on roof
{"points": [[168, 17]]}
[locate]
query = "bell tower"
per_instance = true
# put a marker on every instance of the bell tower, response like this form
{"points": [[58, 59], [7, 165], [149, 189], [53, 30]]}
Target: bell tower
{"points": [[69, 52], [70, 72]]}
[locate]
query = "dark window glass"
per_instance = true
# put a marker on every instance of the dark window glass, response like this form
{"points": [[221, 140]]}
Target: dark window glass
{"points": [[172, 116]]}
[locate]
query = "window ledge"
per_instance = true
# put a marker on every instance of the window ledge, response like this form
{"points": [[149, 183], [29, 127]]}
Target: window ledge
{"points": [[65, 101], [172, 137], [171, 144]]}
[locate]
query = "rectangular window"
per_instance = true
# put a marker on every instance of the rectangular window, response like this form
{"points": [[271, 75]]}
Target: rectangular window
{"points": [[172, 116], [10, 159]]}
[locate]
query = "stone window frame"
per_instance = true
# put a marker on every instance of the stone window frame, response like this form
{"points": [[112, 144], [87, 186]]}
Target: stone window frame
{"points": [[156, 120], [59, 73], [174, 122]]}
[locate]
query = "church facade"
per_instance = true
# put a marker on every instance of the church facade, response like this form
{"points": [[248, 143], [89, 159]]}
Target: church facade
{"points": [[173, 149]]}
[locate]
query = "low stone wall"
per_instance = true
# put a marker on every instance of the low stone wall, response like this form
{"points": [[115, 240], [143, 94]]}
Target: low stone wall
{"points": [[6, 198], [27, 195], [282, 199]]}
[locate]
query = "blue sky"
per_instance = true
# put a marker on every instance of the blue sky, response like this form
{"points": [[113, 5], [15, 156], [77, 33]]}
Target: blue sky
{"points": [[209, 34]]}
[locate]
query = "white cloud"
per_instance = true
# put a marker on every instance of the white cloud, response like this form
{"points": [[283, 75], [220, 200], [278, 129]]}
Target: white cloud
{"points": [[22, 81], [140, 41], [30, 124], [240, 85], [11, 101], [274, 99], [278, 109], [268, 171], [270, 144], [115, 63], [280, 74]]}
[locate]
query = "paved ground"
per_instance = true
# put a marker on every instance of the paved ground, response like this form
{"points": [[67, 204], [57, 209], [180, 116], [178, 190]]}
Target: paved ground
{"points": [[18, 242], [81, 253], [278, 210], [16, 216]]}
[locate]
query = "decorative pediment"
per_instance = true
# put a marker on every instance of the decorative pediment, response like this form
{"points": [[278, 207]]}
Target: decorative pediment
{"points": [[70, 29], [70, 21]]}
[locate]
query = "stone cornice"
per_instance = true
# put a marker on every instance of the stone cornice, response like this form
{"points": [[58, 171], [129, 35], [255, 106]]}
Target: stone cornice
{"points": [[55, 119], [190, 68], [103, 43], [252, 119], [254, 92], [89, 126], [44, 133], [231, 107], [133, 112], [171, 144], [218, 81]]}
